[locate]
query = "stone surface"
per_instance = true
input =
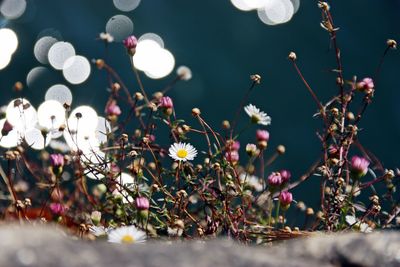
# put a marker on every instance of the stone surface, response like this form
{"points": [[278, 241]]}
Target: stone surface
{"points": [[48, 247]]}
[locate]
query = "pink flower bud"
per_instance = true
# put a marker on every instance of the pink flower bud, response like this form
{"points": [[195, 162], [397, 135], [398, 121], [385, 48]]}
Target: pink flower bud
{"points": [[232, 156], [366, 85], [166, 102], [285, 174], [359, 166], [142, 203], [262, 135], [57, 160], [113, 109], [285, 198], [130, 42], [57, 208], [232, 145], [275, 179]]}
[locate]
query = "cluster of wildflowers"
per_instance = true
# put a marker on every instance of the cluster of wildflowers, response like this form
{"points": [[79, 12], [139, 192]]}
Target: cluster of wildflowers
{"points": [[196, 183]]}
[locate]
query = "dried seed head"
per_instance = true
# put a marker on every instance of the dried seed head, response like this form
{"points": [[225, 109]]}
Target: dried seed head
{"points": [[115, 87], [216, 166], [323, 5], [182, 193], [155, 188], [350, 116], [292, 56], [320, 215], [186, 128], [139, 96], [281, 149], [389, 174], [124, 137], [99, 63], [152, 106], [226, 125], [152, 166], [18, 86], [340, 181], [335, 112], [256, 78], [391, 43], [287, 229], [309, 211], [196, 112], [301, 206], [158, 95], [263, 145]]}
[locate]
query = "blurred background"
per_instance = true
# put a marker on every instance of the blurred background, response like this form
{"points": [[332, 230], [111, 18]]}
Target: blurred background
{"points": [[223, 45]]}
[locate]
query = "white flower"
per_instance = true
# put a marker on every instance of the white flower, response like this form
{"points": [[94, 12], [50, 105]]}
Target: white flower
{"points": [[361, 226], [184, 72], [99, 230], [106, 37], [127, 235], [252, 181], [257, 116], [182, 152]]}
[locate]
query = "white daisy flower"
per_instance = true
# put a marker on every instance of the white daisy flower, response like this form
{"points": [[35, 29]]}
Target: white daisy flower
{"points": [[361, 226], [257, 116], [252, 181], [182, 152], [184, 72], [126, 235], [99, 230]]}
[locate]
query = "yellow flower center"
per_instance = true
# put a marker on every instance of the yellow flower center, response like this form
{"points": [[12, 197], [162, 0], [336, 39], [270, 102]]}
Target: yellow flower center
{"points": [[182, 153], [127, 239], [255, 118]]}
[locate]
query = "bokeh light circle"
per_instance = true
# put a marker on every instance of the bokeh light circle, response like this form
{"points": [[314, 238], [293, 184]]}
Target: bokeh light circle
{"points": [[12, 9], [126, 5], [60, 93], [8, 41], [51, 114], [152, 36], [241, 5], [42, 47], [76, 69], [36, 140], [21, 114], [59, 53], [120, 27], [87, 123]]}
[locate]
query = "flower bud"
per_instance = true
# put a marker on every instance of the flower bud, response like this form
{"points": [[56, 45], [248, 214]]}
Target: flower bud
{"points": [[142, 203], [292, 56], [285, 198], [262, 135], [196, 112], [281, 149], [166, 102], [232, 156], [130, 44], [391, 43], [251, 150], [184, 73], [96, 217], [359, 166], [286, 175]]}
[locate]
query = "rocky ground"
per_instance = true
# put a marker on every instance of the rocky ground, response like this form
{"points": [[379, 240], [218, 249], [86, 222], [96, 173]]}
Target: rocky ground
{"points": [[48, 247]]}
